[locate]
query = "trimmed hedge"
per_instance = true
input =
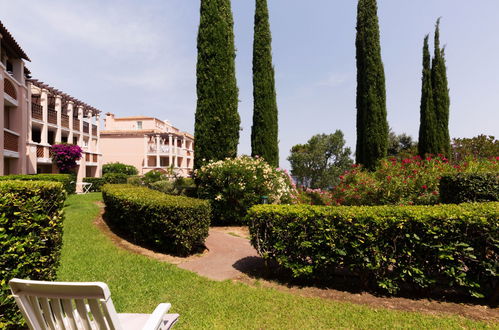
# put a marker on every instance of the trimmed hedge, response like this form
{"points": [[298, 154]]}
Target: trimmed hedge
{"points": [[173, 224], [119, 168], [387, 247], [469, 187], [112, 178], [67, 180], [30, 238]]}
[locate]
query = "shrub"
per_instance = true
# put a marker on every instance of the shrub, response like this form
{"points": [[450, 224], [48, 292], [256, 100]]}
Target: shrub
{"points": [[119, 168], [234, 185], [68, 180], [115, 178], [165, 186], [97, 183], [30, 237], [469, 187], [153, 176], [65, 156], [387, 247], [481, 146], [135, 180], [405, 182], [172, 224]]}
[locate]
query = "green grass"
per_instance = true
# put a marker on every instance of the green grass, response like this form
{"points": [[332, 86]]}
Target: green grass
{"points": [[138, 284]]}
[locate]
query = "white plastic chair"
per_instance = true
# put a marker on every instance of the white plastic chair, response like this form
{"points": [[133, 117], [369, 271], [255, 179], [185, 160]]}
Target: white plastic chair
{"points": [[80, 305]]}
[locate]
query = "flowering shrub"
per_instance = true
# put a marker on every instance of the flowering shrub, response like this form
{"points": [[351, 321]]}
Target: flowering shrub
{"points": [[65, 156], [313, 197], [406, 182], [234, 185]]}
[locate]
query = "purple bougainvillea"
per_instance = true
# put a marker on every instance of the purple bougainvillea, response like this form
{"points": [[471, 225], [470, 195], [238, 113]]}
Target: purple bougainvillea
{"points": [[65, 156]]}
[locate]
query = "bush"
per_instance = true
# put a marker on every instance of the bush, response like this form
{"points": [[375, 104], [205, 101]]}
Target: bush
{"points": [[469, 187], [387, 247], [119, 168], [97, 183], [153, 176], [234, 185], [171, 224], [165, 186], [135, 180], [481, 146], [115, 178], [68, 180], [406, 182], [30, 237]]}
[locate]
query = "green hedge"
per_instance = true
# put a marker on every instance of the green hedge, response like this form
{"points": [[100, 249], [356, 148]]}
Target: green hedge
{"points": [[469, 187], [173, 224], [30, 237], [67, 180], [119, 168], [386, 247], [112, 178]]}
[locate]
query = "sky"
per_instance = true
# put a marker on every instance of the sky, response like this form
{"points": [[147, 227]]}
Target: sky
{"points": [[132, 57]]}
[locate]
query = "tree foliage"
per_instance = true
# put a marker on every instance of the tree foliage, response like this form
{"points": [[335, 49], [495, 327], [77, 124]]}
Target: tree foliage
{"points": [[400, 144], [217, 121], [264, 132], [441, 99], [320, 162], [428, 129], [372, 126]]}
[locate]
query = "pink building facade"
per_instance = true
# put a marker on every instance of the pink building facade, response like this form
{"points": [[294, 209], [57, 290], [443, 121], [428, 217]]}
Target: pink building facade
{"points": [[35, 116], [148, 144]]}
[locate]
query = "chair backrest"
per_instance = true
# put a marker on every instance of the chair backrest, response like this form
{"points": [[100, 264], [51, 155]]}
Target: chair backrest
{"points": [[65, 305]]}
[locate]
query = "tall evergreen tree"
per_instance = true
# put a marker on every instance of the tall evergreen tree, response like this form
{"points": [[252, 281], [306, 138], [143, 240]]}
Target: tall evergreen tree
{"points": [[372, 126], [441, 99], [217, 121], [428, 130], [264, 132]]}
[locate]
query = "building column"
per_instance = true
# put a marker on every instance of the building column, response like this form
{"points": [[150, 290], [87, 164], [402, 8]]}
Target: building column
{"points": [[70, 115], [89, 119], [170, 150], [58, 109], [146, 149], [97, 147], [80, 118], [44, 103], [158, 163]]}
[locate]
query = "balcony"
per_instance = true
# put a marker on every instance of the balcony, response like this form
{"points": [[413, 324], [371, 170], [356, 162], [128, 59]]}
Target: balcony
{"points": [[52, 116], [94, 130], [86, 127], [94, 158], [76, 124], [10, 141], [64, 120], [9, 88], [36, 111]]}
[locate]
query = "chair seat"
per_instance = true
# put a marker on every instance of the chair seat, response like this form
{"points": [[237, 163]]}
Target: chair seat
{"points": [[134, 321]]}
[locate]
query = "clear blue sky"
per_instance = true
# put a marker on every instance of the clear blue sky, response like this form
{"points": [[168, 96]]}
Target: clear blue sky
{"points": [[138, 58]]}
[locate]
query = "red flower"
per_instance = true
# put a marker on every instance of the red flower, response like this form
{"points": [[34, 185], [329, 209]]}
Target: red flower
{"points": [[424, 186]]}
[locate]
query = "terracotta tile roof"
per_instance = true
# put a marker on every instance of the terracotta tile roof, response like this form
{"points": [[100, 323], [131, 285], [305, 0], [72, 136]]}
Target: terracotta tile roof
{"points": [[9, 41]]}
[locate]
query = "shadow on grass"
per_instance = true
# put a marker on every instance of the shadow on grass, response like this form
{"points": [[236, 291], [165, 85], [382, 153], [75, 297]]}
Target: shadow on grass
{"points": [[258, 268]]}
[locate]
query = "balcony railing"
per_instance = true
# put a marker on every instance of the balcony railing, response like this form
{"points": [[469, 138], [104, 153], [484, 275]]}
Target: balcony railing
{"points": [[76, 124], [40, 151], [9, 88], [94, 130], [10, 141], [36, 111], [64, 120], [85, 127], [52, 116]]}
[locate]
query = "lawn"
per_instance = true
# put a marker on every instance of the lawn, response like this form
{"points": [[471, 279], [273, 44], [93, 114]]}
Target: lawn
{"points": [[138, 284]]}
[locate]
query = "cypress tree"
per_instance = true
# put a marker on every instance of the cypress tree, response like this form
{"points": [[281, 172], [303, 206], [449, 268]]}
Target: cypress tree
{"points": [[428, 131], [217, 121], [372, 126], [441, 99], [264, 132]]}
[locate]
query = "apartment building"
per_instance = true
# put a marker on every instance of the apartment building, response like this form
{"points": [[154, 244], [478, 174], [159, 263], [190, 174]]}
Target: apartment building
{"points": [[14, 102], [147, 143], [57, 117], [36, 115]]}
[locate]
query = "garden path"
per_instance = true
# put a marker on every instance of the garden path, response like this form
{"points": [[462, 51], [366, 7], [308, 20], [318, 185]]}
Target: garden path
{"points": [[228, 256]]}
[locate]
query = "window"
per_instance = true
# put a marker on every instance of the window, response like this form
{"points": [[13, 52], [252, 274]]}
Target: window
{"points": [[139, 125]]}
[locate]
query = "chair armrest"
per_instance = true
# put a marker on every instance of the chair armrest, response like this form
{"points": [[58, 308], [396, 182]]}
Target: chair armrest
{"points": [[156, 317]]}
